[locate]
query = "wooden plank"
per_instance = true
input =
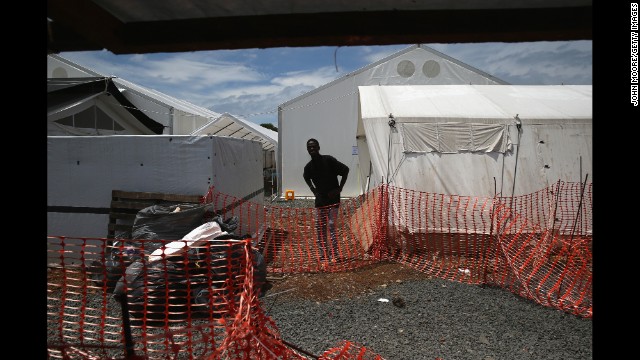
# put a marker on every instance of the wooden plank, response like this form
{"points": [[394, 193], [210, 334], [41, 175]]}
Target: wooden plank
{"points": [[156, 196], [119, 227], [135, 205], [126, 204], [122, 216]]}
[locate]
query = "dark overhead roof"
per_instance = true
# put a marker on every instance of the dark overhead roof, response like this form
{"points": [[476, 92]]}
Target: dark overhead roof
{"points": [[148, 26], [63, 92]]}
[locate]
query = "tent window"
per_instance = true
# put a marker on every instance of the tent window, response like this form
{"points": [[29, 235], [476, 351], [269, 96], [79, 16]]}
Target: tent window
{"points": [[454, 137], [66, 121], [431, 68], [91, 118], [406, 68]]}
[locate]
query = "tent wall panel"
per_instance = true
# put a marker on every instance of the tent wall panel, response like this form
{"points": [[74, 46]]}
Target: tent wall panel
{"points": [[82, 171]]}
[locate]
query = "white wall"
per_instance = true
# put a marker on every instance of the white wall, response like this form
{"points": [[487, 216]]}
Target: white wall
{"points": [[83, 170]]}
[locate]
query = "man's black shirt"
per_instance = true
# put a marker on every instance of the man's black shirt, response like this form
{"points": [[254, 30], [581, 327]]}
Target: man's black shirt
{"points": [[324, 173]]}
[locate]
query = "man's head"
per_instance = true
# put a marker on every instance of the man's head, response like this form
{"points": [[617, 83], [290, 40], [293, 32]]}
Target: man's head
{"points": [[313, 147]]}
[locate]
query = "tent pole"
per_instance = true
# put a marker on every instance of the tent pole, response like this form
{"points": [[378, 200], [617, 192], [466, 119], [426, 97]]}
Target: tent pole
{"points": [[515, 170], [392, 125]]}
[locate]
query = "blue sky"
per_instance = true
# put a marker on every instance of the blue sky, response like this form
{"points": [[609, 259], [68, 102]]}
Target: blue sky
{"points": [[251, 83]]}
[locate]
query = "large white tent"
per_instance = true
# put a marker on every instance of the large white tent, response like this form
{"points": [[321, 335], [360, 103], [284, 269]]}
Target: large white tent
{"points": [[477, 140], [330, 112]]}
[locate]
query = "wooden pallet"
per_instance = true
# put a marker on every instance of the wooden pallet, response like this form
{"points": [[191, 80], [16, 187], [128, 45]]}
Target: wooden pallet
{"points": [[126, 204]]}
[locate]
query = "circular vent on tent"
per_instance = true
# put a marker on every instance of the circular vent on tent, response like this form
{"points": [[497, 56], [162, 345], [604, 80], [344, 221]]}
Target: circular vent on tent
{"points": [[431, 68], [59, 73], [406, 68]]}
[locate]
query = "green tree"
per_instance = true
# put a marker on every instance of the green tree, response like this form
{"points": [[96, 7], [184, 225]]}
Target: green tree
{"points": [[269, 126]]}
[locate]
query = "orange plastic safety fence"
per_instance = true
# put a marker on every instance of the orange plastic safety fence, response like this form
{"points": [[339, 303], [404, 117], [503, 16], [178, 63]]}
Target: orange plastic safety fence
{"points": [[537, 245], [204, 303], [201, 303], [350, 351], [302, 240]]}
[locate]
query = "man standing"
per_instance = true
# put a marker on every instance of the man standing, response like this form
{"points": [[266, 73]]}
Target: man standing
{"points": [[321, 175]]}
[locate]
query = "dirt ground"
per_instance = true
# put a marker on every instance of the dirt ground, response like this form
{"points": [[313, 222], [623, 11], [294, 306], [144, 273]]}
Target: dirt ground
{"points": [[346, 284], [321, 286]]}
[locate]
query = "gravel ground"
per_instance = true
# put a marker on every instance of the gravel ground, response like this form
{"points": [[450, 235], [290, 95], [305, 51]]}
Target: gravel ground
{"points": [[435, 319]]}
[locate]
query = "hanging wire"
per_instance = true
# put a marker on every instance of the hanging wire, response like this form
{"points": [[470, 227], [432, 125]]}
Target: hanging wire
{"points": [[335, 58]]}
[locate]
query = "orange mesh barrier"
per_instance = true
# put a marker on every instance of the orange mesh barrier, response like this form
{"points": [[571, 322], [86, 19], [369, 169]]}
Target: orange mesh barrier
{"points": [[203, 302], [349, 350], [204, 305], [289, 240], [540, 248]]}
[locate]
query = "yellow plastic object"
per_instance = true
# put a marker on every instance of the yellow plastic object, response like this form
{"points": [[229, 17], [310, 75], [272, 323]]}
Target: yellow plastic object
{"points": [[289, 195]]}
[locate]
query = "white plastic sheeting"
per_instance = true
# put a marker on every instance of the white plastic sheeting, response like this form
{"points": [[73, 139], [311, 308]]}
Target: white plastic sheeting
{"points": [[83, 170], [454, 137], [229, 125], [330, 112], [198, 236], [400, 128]]}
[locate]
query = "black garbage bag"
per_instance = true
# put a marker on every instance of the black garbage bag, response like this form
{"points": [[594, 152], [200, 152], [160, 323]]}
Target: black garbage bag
{"points": [[229, 226], [156, 222], [118, 257], [193, 284], [152, 290], [260, 273], [261, 283], [172, 222]]}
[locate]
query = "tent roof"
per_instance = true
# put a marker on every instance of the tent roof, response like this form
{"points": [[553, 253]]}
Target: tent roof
{"points": [[154, 95], [64, 93], [229, 125], [482, 103], [130, 27], [224, 124], [390, 57], [165, 99]]}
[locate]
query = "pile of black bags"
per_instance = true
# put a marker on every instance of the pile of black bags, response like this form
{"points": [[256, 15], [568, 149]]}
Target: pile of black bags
{"points": [[193, 283]]}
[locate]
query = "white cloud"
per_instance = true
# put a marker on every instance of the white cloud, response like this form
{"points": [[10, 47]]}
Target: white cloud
{"points": [[537, 63], [313, 78]]}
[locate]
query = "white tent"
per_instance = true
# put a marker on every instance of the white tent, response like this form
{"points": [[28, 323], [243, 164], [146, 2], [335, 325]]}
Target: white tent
{"points": [[330, 112], [232, 126], [178, 117], [93, 106], [478, 140]]}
